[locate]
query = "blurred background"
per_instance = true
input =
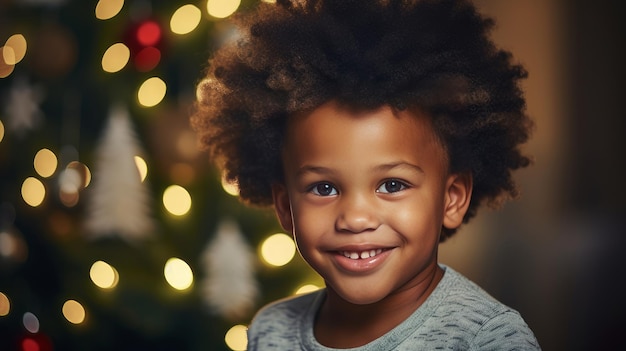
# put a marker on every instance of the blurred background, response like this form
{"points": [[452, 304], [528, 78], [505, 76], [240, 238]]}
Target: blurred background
{"points": [[116, 234]]}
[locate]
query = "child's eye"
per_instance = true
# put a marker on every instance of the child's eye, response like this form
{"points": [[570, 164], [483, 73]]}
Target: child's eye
{"points": [[391, 186], [323, 189]]}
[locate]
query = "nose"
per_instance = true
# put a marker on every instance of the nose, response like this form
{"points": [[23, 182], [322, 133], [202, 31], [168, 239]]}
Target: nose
{"points": [[356, 214]]}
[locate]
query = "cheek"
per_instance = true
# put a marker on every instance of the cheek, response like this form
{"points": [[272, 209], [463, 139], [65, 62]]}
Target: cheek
{"points": [[416, 220], [310, 223]]}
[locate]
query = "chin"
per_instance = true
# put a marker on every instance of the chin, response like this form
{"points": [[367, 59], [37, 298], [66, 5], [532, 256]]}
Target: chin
{"points": [[361, 299]]}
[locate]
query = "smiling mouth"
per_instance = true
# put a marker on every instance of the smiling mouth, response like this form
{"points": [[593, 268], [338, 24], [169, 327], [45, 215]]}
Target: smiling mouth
{"points": [[355, 255]]}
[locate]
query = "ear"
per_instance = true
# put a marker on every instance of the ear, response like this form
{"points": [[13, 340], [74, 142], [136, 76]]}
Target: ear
{"points": [[282, 206], [457, 199]]}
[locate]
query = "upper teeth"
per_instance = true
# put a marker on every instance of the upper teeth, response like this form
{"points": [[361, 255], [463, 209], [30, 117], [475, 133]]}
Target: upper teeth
{"points": [[355, 255]]}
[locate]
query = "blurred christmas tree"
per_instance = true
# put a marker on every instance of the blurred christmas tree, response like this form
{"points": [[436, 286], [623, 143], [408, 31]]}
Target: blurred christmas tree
{"points": [[115, 232]]}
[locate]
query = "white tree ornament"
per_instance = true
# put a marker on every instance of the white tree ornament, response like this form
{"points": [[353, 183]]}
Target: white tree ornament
{"points": [[229, 288], [22, 107], [119, 203]]}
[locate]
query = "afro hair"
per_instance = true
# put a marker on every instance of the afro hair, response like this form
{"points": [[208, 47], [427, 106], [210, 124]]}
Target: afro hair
{"points": [[294, 55]]}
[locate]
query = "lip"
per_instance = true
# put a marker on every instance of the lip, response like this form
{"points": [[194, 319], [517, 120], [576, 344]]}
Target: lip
{"points": [[361, 265]]}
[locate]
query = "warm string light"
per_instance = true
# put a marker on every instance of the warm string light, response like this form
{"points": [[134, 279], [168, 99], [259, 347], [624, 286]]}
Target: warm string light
{"points": [[231, 188], [5, 305], [107, 9], [142, 167], [151, 92], [74, 312], [236, 338], [45, 163], [33, 191], [177, 200], [13, 51], [307, 288], [17, 44], [103, 275], [278, 249], [178, 274], [115, 58], [185, 19], [222, 8]]}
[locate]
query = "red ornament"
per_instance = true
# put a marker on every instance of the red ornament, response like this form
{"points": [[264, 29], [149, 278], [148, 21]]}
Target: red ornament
{"points": [[147, 59], [148, 33], [145, 41], [35, 342]]}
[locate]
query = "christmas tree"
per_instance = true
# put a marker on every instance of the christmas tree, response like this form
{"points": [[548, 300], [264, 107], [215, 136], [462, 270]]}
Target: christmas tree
{"points": [[116, 233]]}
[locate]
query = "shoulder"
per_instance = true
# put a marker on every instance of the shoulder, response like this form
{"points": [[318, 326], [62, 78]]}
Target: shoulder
{"points": [[278, 324], [288, 308], [486, 322]]}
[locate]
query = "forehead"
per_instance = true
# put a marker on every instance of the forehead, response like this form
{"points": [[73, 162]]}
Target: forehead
{"points": [[343, 133]]}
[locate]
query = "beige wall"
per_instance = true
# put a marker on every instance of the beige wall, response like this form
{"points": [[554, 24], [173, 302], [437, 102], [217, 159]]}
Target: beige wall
{"points": [[550, 253]]}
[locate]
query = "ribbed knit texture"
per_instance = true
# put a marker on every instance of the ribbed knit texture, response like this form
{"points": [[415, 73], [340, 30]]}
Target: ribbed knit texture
{"points": [[458, 315]]}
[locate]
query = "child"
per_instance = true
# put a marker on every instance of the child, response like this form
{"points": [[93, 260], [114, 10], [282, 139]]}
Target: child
{"points": [[375, 129]]}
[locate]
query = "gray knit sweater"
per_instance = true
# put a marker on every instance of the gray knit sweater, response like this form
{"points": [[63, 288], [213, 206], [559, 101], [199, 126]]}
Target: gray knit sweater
{"points": [[458, 315]]}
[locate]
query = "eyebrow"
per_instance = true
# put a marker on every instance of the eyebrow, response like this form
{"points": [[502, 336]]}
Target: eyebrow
{"points": [[379, 168], [399, 164], [314, 169]]}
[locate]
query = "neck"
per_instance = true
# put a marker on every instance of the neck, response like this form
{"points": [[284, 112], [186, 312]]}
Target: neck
{"points": [[342, 324]]}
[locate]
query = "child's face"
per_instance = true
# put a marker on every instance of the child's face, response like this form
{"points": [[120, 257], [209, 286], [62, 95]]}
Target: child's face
{"points": [[366, 195]]}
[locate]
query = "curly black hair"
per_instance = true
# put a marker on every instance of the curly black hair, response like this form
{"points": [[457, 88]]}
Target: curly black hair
{"points": [[435, 55]]}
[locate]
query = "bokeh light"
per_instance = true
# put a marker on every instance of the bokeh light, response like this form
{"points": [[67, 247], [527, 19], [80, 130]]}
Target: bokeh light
{"points": [[74, 178], [176, 200], [45, 163], [178, 274], [307, 288], [82, 170], [231, 188], [1, 131], [142, 166], [115, 58], [18, 46], [31, 322], [5, 68], [222, 8], [278, 249], [68, 192], [8, 55], [147, 59], [70, 181], [185, 19], [236, 338], [33, 191], [74, 312], [149, 33], [5, 305], [13, 247], [29, 344], [103, 275], [151, 92], [107, 9]]}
